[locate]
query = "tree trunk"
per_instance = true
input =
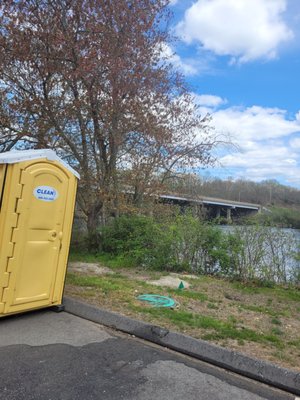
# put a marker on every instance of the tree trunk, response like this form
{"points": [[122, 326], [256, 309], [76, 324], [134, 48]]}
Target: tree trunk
{"points": [[93, 235]]}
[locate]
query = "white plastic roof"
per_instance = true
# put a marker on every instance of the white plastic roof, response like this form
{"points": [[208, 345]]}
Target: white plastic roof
{"points": [[16, 156]]}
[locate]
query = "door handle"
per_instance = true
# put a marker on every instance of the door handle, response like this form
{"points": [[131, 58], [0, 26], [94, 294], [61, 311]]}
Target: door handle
{"points": [[52, 236]]}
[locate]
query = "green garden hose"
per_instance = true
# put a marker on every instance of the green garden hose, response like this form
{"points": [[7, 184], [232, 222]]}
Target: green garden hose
{"points": [[157, 301]]}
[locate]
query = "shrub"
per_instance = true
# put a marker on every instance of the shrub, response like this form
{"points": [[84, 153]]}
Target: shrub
{"points": [[263, 253], [194, 244], [185, 243], [279, 216], [138, 239]]}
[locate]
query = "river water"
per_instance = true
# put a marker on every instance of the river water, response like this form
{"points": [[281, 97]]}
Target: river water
{"points": [[288, 231], [273, 252]]}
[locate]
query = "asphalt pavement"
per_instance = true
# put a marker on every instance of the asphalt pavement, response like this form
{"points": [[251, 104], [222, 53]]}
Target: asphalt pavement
{"points": [[58, 356]]}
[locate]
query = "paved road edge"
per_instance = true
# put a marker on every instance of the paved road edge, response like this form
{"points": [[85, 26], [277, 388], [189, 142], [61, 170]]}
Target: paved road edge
{"points": [[237, 362]]}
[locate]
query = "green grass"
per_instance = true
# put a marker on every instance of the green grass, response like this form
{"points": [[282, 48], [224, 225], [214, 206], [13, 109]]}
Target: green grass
{"points": [[106, 259], [285, 293], [277, 331], [295, 343], [201, 313], [105, 285], [276, 321], [288, 293], [280, 355], [248, 288], [222, 330], [120, 283], [188, 294], [260, 309], [212, 306], [83, 257]]}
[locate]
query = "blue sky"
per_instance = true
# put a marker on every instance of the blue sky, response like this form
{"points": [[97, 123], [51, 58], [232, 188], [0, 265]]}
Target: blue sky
{"points": [[241, 59]]}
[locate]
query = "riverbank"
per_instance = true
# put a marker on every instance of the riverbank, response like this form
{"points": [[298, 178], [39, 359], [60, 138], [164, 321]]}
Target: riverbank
{"points": [[263, 322], [185, 243]]}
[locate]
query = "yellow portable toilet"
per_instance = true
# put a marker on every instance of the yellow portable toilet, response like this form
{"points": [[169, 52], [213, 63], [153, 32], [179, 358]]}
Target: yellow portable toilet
{"points": [[37, 199]]}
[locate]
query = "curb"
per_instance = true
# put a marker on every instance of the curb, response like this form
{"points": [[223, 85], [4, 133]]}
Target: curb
{"points": [[262, 371]]}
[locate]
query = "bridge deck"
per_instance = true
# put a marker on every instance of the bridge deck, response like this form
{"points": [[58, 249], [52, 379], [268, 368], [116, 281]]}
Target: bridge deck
{"points": [[211, 201]]}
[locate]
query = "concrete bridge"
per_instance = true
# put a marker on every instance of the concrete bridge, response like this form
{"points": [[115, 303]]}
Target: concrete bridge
{"points": [[214, 207]]}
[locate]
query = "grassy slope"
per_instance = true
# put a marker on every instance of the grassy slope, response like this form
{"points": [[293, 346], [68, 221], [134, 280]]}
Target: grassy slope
{"points": [[263, 322]]}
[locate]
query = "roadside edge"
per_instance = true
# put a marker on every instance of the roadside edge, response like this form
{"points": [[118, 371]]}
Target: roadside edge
{"points": [[260, 370]]}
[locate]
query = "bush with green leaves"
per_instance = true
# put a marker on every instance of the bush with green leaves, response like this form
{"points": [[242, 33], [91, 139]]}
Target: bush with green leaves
{"points": [[278, 216], [195, 245], [186, 243], [183, 244], [265, 253], [139, 240]]}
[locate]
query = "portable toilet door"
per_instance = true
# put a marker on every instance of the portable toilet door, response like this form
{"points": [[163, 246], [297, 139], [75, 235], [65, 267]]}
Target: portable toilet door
{"points": [[38, 193]]}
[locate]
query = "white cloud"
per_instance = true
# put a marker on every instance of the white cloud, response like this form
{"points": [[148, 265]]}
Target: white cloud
{"points": [[268, 142], [243, 29], [259, 157], [295, 143], [264, 162], [209, 100], [255, 123], [185, 67]]}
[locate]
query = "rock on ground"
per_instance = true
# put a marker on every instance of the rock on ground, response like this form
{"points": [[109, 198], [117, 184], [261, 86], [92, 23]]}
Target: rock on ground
{"points": [[169, 281]]}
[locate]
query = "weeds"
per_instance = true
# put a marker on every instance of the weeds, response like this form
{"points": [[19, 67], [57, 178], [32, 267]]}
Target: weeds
{"points": [[259, 309], [277, 331], [259, 254], [212, 306], [276, 321]]}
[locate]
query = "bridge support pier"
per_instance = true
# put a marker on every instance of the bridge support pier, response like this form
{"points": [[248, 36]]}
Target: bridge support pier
{"points": [[218, 212], [228, 215]]}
